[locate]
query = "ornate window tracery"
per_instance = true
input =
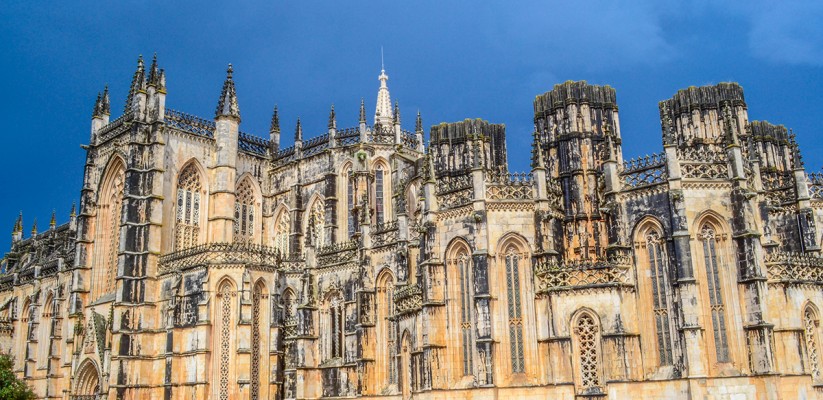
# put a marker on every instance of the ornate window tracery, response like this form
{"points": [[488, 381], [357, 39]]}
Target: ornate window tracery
{"points": [[379, 195], [352, 225], [660, 295], [317, 224], [109, 213], [587, 335], [244, 212], [187, 224], [466, 311], [225, 295], [716, 304], [515, 312], [333, 322], [385, 307], [282, 231], [257, 298], [810, 325]]}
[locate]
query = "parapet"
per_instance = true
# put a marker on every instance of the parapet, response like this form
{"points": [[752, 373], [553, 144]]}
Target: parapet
{"points": [[575, 92]]}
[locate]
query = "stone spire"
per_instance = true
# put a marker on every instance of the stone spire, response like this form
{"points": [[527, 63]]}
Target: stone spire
{"points": [[98, 106], [332, 118], [274, 130], [383, 112], [34, 228], [227, 105], [418, 123], [105, 104], [53, 222], [138, 84], [17, 232], [298, 131], [154, 72], [396, 113], [362, 112], [537, 152]]}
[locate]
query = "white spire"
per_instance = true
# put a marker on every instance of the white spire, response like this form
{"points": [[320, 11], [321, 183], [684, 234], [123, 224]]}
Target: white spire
{"points": [[383, 113]]}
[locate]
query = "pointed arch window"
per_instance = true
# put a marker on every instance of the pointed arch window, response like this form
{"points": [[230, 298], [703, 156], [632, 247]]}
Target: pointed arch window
{"points": [[721, 343], [258, 297], [110, 215], [385, 308], [466, 311], [379, 195], [810, 325], [660, 295], [352, 225], [587, 338], [244, 218], [515, 310], [225, 299], [334, 321], [282, 231], [317, 224], [187, 224]]}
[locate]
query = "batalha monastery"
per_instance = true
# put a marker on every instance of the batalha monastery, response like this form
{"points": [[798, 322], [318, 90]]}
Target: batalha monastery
{"points": [[206, 263]]}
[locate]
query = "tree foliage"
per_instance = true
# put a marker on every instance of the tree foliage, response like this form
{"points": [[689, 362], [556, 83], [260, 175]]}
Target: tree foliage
{"points": [[12, 388]]}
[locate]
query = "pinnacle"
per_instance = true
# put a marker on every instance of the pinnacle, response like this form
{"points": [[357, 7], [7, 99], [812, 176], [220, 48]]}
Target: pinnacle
{"points": [[275, 121], [227, 105], [332, 118], [418, 124], [298, 131], [362, 111]]}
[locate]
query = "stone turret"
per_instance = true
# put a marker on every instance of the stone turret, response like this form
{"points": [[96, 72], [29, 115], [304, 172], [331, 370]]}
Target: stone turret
{"points": [[156, 92], [135, 106], [573, 121], [696, 114], [452, 146], [227, 128]]}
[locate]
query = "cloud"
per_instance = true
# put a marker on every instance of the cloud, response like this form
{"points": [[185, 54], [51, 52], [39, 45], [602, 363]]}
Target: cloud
{"points": [[594, 34], [786, 32]]}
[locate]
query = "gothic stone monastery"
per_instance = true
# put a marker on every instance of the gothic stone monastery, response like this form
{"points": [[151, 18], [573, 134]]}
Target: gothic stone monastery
{"points": [[207, 263]]}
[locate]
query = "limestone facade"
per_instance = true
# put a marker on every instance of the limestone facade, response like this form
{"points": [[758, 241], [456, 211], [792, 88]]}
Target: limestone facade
{"points": [[204, 262]]}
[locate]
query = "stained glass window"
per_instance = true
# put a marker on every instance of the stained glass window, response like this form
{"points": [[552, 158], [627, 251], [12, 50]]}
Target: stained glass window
{"points": [[721, 342], [659, 286], [187, 229], [515, 312], [244, 212]]}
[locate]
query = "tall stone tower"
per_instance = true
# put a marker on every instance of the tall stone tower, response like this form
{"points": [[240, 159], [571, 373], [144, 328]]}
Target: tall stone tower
{"points": [[578, 130]]}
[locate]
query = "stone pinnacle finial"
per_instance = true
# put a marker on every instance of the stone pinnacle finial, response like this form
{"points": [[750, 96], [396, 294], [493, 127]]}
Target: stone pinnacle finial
{"points": [[362, 112], [332, 118], [98, 106], [396, 113], [18, 225], [73, 212], [383, 110], [275, 121], [227, 105], [106, 103], [418, 124], [537, 152], [34, 228], [154, 72], [298, 131], [53, 221], [138, 84]]}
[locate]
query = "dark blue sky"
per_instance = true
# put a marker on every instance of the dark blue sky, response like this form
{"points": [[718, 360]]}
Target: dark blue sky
{"points": [[450, 60]]}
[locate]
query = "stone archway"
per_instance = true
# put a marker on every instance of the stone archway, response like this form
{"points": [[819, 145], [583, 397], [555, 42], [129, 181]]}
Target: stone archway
{"points": [[87, 381]]}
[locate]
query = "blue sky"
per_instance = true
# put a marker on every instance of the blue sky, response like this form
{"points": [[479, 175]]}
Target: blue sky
{"points": [[450, 60]]}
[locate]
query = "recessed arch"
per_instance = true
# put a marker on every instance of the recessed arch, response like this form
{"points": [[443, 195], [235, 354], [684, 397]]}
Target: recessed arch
{"points": [[512, 272], [87, 379], [247, 210], [107, 232], [645, 224], [585, 327], [315, 222], [190, 199], [811, 329], [711, 217]]}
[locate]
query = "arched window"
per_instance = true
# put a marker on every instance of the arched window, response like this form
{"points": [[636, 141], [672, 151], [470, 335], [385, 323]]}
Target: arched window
{"points": [[317, 224], [811, 325], [708, 236], [333, 321], [466, 311], [387, 335], [244, 212], [224, 297], [258, 298], [659, 284], [587, 342], [187, 224], [282, 231], [379, 195], [108, 227], [514, 308]]}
